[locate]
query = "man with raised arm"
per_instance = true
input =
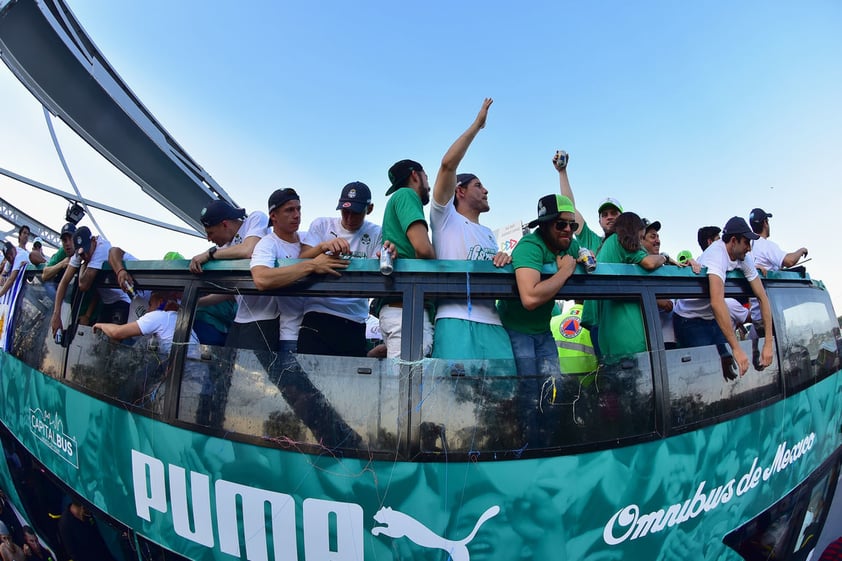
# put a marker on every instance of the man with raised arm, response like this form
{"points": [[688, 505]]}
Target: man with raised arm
{"points": [[608, 210], [701, 321], [465, 330], [405, 226]]}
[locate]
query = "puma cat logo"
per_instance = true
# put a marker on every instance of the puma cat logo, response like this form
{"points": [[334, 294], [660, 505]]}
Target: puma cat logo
{"points": [[396, 524]]}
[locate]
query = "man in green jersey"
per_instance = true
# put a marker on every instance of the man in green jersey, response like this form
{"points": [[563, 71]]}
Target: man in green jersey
{"points": [[527, 319]]}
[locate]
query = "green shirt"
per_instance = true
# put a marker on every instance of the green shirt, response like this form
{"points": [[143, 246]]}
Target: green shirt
{"points": [[58, 256], [403, 209], [531, 252], [621, 329], [589, 239]]}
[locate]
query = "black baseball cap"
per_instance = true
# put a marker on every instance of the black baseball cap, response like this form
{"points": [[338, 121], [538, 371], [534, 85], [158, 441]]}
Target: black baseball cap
{"points": [[399, 174], [356, 196], [69, 228], [82, 240], [220, 210], [737, 226], [280, 197]]}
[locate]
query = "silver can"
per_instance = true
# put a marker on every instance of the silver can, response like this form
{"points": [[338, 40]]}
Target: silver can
{"points": [[587, 259], [386, 265]]}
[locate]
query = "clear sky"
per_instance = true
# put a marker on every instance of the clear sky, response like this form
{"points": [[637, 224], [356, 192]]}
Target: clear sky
{"points": [[687, 112]]}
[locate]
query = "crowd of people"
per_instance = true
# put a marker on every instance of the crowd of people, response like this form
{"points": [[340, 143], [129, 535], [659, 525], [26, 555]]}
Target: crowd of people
{"points": [[516, 330]]}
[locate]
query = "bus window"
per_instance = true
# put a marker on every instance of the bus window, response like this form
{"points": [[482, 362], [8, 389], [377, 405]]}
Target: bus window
{"points": [[33, 341], [790, 528], [275, 392], [475, 406], [809, 335], [130, 361], [704, 380]]}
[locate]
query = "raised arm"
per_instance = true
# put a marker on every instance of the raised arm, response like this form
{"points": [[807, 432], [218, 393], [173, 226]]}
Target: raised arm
{"points": [[560, 161], [446, 179]]}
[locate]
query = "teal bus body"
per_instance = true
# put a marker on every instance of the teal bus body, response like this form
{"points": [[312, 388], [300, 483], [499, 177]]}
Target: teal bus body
{"points": [[677, 487]]}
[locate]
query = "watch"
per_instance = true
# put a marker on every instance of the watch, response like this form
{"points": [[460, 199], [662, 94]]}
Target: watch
{"points": [[212, 252]]}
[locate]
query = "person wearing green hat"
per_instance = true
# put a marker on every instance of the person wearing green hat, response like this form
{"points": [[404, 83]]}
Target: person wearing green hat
{"points": [[527, 319]]}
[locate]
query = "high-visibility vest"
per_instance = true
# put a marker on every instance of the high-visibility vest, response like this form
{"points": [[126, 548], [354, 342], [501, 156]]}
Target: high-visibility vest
{"points": [[575, 350]]}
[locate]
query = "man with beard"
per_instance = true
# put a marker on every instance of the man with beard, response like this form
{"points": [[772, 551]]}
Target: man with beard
{"points": [[527, 319], [405, 226]]}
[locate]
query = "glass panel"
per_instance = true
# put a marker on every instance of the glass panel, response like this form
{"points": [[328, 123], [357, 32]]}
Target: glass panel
{"points": [[132, 371], [701, 387], [478, 407], [294, 399], [790, 528], [33, 341], [810, 335], [814, 516]]}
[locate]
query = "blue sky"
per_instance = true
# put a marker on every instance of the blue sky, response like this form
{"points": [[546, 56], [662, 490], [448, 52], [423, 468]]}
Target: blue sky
{"points": [[688, 113]]}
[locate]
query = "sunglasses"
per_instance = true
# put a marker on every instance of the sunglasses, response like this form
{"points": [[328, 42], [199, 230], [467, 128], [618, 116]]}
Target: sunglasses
{"points": [[562, 225]]}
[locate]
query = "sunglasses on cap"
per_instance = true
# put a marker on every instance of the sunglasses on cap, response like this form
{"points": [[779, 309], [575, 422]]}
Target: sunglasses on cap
{"points": [[562, 225]]}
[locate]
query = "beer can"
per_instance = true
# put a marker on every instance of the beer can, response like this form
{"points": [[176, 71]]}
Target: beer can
{"points": [[587, 259]]}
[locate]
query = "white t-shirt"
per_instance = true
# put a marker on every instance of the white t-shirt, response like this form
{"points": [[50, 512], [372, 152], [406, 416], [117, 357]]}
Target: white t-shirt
{"points": [[456, 237], [161, 324], [718, 263], [21, 257], [98, 257], [267, 251], [767, 254], [253, 308], [365, 243]]}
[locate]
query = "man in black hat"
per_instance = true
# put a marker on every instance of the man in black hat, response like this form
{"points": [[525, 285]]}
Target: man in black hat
{"points": [[60, 259], [527, 318], [768, 255], [405, 226], [336, 326], [700, 321], [232, 231], [91, 251]]}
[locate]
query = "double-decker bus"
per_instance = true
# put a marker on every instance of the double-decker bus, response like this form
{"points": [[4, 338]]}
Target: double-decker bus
{"points": [[218, 452]]}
